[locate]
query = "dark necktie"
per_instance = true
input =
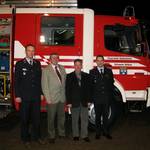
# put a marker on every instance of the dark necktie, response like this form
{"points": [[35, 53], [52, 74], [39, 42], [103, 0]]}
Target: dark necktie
{"points": [[58, 73], [31, 62], [79, 79], [102, 71]]}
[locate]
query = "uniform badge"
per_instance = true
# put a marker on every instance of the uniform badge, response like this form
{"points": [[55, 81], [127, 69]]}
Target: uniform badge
{"points": [[24, 73], [24, 69]]}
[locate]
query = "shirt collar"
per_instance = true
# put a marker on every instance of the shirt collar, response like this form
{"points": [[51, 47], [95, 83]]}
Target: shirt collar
{"points": [[29, 59], [53, 66], [100, 67], [77, 73]]}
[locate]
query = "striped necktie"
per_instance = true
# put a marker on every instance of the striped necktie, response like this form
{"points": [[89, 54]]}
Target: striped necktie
{"points": [[58, 73]]}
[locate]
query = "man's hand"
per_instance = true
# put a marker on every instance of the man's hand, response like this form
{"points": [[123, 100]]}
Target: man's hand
{"points": [[69, 105], [18, 99], [89, 104], [69, 108], [42, 97]]}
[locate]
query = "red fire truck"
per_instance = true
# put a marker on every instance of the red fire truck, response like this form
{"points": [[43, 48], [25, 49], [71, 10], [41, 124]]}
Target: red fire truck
{"points": [[78, 33]]}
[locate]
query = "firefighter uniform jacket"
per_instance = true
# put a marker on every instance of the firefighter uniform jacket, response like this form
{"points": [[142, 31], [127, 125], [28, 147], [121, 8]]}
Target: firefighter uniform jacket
{"points": [[102, 84], [28, 80]]}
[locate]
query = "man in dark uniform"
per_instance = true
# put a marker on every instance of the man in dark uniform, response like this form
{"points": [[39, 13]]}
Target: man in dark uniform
{"points": [[28, 93], [78, 94], [102, 82]]}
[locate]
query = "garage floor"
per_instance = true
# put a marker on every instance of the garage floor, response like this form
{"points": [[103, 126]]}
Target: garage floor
{"points": [[132, 132]]}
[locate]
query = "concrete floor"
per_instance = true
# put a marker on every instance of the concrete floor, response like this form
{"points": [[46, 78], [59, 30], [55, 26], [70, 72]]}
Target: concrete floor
{"points": [[130, 133]]}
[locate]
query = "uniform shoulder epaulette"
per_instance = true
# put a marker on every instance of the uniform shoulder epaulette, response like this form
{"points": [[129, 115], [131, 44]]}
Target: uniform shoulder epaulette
{"points": [[36, 61], [21, 61]]}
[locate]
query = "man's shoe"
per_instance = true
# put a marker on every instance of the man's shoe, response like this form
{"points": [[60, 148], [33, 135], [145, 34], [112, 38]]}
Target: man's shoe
{"points": [[41, 142], [52, 140], [86, 139], [27, 145], [76, 138], [97, 136]]}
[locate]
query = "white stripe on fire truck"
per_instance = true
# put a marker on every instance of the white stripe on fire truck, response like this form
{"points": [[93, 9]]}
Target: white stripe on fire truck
{"points": [[119, 58], [81, 57], [61, 62], [115, 71], [124, 64], [66, 57], [120, 64], [37, 57], [71, 58], [148, 73], [70, 63], [43, 63]]}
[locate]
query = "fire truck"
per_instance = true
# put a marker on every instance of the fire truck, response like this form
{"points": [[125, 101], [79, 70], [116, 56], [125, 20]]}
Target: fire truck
{"points": [[78, 33]]}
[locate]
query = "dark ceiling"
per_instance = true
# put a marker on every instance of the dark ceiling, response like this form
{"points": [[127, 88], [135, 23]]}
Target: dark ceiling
{"points": [[116, 7]]}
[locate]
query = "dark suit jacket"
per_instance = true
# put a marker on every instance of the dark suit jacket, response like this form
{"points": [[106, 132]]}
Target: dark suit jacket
{"points": [[76, 94], [28, 80], [102, 85]]}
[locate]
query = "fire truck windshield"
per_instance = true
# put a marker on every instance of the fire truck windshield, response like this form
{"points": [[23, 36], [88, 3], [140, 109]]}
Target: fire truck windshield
{"points": [[124, 39]]}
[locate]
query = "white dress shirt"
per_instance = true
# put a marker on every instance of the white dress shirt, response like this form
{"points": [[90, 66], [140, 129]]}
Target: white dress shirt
{"points": [[101, 69], [53, 66], [29, 60]]}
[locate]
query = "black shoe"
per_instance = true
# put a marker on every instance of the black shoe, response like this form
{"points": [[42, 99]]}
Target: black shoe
{"points": [[41, 142], [108, 136], [27, 145], [97, 136], [86, 139], [76, 138], [52, 140]]}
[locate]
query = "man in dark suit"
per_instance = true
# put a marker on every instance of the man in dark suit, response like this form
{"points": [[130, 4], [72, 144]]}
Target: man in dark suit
{"points": [[28, 93], [78, 89], [102, 94]]}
